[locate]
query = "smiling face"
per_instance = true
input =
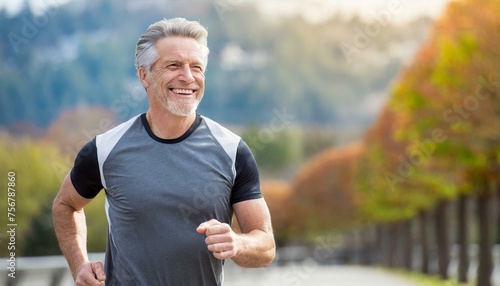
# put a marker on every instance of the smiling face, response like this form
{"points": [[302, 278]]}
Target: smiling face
{"points": [[177, 78]]}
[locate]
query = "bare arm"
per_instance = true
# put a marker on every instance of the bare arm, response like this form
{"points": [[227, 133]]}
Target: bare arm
{"points": [[254, 247], [71, 231], [257, 239]]}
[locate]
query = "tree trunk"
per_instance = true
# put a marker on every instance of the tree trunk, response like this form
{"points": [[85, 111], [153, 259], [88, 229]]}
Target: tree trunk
{"points": [[379, 242], [407, 245], [397, 243], [385, 240], [424, 242], [442, 238], [349, 248], [393, 245], [367, 250], [462, 239], [484, 209]]}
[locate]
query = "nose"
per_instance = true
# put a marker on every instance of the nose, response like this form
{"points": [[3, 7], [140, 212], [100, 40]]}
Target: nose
{"points": [[186, 75]]}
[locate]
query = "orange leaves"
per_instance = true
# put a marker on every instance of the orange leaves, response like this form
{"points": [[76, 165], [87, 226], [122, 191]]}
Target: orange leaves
{"points": [[438, 125], [439, 132], [323, 192], [320, 198], [277, 195], [446, 89]]}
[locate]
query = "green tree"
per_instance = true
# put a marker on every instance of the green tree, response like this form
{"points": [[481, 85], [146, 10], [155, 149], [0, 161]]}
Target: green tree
{"points": [[35, 182], [39, 168], [40, 238], [274, 149]]}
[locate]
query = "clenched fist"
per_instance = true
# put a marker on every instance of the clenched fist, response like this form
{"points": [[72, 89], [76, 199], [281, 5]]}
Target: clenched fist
{"points": [[221, 239]]}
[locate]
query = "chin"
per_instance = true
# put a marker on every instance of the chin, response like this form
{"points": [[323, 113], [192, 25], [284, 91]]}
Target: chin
{"points": [[182, 111], [179, 108]]}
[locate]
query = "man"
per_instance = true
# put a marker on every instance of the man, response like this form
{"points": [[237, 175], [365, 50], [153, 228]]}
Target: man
{"points": [[172, 178]]}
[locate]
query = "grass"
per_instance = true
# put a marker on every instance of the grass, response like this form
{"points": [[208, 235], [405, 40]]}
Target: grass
{"points": [[427, 280]]}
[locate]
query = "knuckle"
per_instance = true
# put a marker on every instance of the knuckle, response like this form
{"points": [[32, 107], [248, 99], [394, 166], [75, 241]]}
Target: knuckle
{"points": [[209, 231]]}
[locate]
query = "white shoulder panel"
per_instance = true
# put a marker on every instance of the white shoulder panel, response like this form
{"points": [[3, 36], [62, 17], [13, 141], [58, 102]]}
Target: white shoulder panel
{"points": [[106, 142], [227, 139]]}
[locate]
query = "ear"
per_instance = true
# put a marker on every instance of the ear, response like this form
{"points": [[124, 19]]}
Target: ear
{"points": [[142, 74]]}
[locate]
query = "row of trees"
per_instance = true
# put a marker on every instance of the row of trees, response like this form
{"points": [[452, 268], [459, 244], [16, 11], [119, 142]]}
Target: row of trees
{"points": [[435, 144], [441, 140]]}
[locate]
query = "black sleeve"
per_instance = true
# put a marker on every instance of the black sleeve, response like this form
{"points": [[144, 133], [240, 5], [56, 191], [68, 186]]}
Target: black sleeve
{"points": [[246, 184], [85, 174]]}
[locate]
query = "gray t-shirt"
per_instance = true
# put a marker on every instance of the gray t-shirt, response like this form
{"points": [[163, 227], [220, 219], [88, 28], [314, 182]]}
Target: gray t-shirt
{"points": [[157, 193]]}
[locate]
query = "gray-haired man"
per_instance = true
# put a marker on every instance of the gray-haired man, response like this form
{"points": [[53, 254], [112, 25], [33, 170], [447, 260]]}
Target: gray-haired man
{"points": [[172, 177]]}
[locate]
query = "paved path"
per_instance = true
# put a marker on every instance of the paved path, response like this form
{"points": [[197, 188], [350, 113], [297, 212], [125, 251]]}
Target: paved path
{"points": [[38, 271], [311, 274]]}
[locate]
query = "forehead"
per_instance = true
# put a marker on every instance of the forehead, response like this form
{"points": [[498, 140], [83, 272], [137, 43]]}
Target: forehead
{"points": [[179, 48]]}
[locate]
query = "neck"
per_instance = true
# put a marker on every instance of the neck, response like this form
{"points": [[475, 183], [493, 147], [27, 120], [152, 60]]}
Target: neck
{"points": [[168, 126]]}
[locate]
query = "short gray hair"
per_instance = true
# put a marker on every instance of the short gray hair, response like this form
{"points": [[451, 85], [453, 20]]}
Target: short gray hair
{"points": [[145, 50]]}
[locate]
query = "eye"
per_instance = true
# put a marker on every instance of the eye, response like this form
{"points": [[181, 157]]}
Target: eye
{"points": [[173, 66], [197, 68]]}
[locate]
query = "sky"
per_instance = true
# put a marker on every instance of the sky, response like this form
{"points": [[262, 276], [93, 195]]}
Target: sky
{"points": [[401, 10], [13, 6], [314, 10]]}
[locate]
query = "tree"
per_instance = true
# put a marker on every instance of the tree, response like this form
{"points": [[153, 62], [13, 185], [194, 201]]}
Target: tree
{"points": [[40, 238], [278, 195], [324, 198], [274, 148], [452, 90], [35, 182]]}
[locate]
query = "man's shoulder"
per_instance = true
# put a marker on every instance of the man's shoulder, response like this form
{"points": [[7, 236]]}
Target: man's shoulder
{"points": [[228, 140], [106, 141], [220, 131], [118, 130]]}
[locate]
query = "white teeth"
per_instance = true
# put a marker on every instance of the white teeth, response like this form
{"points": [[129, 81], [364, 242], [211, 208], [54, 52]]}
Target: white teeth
{"points": [[183, 91]]}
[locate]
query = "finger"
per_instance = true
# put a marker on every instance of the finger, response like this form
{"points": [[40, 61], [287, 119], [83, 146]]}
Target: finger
{"points": [[221, 228], [220, 247], [219, 238], [202, 228], [86, 276], [93, 282], [87, 279], [98, 270], [224, 254]]}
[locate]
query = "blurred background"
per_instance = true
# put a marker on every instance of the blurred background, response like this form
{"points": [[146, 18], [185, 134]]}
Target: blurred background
{"points": [[375, 125]]}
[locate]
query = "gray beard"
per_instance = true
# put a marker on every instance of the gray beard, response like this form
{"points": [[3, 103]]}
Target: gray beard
{"points": [[181, 108]]}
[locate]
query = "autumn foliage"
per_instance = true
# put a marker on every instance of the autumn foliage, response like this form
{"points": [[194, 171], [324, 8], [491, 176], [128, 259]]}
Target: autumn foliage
{"points": [[449, 102], [437, 137], [437, 140], [277, 194], [323, 191]]}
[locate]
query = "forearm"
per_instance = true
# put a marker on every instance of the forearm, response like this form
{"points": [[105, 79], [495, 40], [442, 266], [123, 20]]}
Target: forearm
{"points": [[256, 249], [71, 232]]}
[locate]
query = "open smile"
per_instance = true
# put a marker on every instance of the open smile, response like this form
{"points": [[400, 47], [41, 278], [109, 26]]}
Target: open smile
{"points": [[183, 91]]}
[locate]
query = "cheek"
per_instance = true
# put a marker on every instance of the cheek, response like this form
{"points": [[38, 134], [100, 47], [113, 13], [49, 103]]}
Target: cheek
{"points": [[201, 81]]}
